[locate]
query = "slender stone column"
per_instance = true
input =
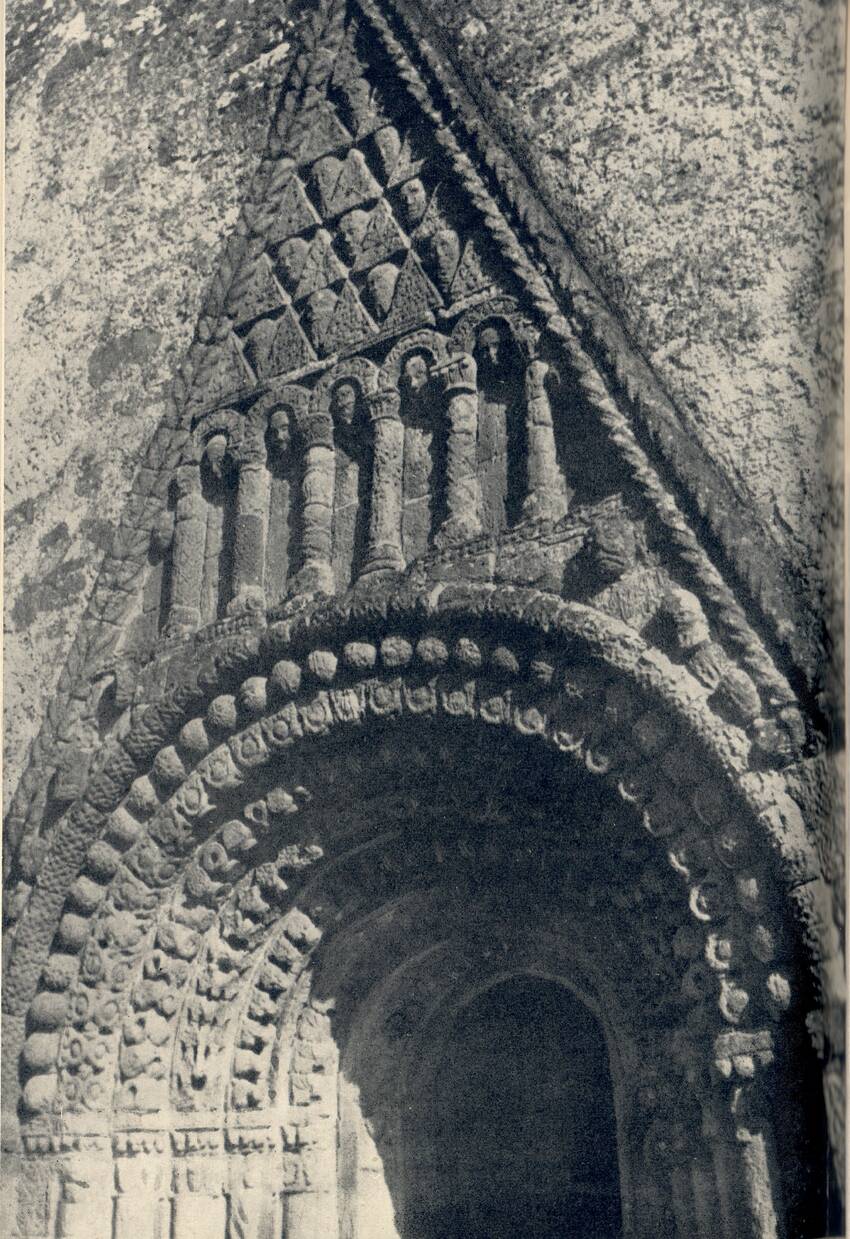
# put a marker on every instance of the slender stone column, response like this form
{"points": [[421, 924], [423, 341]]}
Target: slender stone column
{"points": [[546, 498], [252, 501], [463, 488], [187, 552], [316, 573], [385, 551]]}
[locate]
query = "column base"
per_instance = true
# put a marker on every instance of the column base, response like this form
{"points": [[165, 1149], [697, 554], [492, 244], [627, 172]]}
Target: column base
{"points": [[250, 599], [383, 559], [183, 620], [314, 578], [458, 529]]}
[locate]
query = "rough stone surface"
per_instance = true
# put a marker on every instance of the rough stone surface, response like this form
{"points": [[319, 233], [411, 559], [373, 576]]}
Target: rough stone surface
{"points": [[133, 130]]}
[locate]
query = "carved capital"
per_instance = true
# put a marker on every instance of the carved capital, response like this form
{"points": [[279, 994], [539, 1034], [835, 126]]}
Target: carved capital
{"points": [[458, 374], [187, 481], [383, 404], [536, 373], [315, 427]]}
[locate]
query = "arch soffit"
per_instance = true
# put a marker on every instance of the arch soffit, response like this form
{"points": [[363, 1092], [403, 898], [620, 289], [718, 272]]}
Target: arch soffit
{"points": [[579, 629]]}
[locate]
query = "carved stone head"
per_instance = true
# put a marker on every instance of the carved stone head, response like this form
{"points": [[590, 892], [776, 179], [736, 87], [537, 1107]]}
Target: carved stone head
{"points": [[291, 257], [414, 201], [280, 432], [352, 229], [685, 610], [215, 454], [380, 287], [356, 101], [493, 352], [611, 544], [445, 254], [388, 146], [344, 402], [317, 311], [415, 372]]}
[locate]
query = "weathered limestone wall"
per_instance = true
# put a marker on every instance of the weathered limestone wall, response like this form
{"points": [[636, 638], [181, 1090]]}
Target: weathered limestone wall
{"points": [[694, 147]]}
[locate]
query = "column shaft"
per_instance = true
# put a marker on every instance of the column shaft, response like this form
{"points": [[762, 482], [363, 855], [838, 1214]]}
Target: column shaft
{"points": [[252, 501], [316, 573], [463, 487], [385, 549], [187, 552], [546, 498]]}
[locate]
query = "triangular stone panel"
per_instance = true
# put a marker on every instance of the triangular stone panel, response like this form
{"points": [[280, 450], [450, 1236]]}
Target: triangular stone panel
{"points": [[316, 133], [294, 213], [382, 238], [321, 266], [253, 292], [348, 324], [415, 295], [278, 346]]}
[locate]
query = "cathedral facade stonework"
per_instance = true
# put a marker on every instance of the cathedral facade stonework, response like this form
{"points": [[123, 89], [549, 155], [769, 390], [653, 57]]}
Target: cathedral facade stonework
{"points": [[425, 837]]}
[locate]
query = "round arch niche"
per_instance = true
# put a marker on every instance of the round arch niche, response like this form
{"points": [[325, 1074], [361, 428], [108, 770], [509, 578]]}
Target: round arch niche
{"points": [[514, 1131]]}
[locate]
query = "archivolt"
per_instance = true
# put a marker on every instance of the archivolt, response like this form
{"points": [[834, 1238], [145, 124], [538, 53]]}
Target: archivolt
{"points": [[153, 911]]}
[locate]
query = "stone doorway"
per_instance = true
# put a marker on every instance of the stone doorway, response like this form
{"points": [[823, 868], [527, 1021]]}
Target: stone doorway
{"points": [[517, 1138]]}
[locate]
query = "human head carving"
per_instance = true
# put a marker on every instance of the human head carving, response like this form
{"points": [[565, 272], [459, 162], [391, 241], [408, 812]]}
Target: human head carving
{"points": [[344, 402], [352, 229], [291, 257], [685, 610], [380, 287], [280, 431], [612, 547], [357, 101], [445, 253], [414, 200], [318, 310], [415, 372], [215, 454]]}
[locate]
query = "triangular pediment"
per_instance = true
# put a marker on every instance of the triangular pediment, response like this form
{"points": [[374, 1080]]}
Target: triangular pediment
{"points": [[390, 219]]}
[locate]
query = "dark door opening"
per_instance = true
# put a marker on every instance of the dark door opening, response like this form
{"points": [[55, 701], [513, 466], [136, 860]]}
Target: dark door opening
{"points": [[520, 1123]]}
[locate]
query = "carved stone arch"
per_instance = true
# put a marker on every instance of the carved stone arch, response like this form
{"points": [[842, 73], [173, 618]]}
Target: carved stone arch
{"points": [[475, 661], [505, 309], [227, 422], [359, 370], [425, 341]]}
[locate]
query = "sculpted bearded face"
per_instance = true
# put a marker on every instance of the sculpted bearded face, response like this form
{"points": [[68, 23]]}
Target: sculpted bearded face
{"points": [[380, 286], [415, 373], [279, 431], [445, 252], [215, 454], [414, 200], [291, 258], [685, 610], [344, 402], [352, 228], [613, 546], [357, 101], [490, 347], [318, 310]]}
